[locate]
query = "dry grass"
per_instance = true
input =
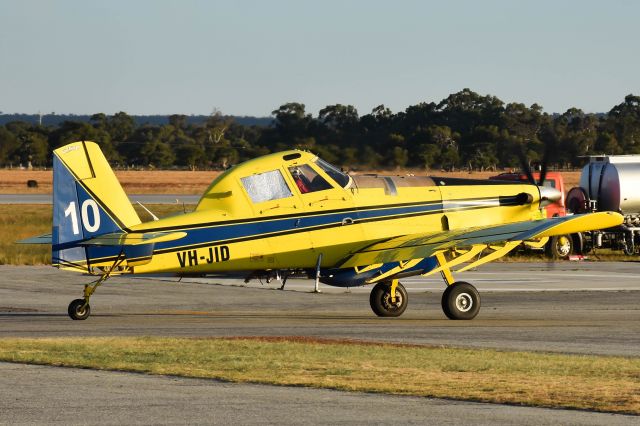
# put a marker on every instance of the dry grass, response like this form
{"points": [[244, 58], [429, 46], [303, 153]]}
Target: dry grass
{"points": [[186, 182], [14, 181], [133, 182], [537, 379], [21, 221]]}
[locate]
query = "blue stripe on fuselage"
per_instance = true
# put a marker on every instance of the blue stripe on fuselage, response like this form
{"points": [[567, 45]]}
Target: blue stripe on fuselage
{"points": [[263, 228], [221, 233]]}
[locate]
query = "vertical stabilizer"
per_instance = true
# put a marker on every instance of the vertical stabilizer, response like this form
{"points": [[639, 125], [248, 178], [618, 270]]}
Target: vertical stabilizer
{"points": [[88, 201]]}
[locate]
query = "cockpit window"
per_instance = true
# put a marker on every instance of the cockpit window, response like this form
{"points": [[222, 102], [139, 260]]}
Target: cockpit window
{"points": [[334, 173], [266, 186], [308, 180]]}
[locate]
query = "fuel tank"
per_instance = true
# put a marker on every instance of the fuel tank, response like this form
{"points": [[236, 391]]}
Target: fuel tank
{"points": [[614, 182]]}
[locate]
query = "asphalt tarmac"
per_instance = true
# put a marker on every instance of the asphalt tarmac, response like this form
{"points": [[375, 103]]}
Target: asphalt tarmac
{"points": [[67, 396], [586, 308], [590, 308]]}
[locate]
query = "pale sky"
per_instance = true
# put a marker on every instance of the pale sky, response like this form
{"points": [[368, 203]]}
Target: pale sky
{"points": [[250, 57]]}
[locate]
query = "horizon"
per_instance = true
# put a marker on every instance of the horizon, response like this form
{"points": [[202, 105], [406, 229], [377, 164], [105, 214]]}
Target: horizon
{"points": [[269, 116]]}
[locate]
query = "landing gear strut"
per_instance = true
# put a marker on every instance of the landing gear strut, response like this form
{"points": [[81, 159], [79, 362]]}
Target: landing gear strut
{"points": [[389, 299], [79, 309]]}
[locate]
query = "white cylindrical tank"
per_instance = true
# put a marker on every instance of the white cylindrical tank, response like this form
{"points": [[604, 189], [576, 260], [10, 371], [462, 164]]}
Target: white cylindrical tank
{"points": [[614, 181]]}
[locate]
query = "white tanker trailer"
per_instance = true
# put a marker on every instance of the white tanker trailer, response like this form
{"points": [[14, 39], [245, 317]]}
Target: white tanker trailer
{"points": [[609, 183]]}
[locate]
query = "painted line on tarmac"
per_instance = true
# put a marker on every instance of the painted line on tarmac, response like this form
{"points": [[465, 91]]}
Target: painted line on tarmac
{"points": [[418, 285], [574, 274], [436, 288]]}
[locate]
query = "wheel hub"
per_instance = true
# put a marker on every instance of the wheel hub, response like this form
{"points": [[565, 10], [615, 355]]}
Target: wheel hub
{"points": [[464, 302], [564, 246], [388, 303]]}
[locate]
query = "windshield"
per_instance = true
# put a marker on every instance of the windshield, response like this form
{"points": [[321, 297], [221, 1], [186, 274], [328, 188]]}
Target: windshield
{"points": [[307, 180], [334, 173]]}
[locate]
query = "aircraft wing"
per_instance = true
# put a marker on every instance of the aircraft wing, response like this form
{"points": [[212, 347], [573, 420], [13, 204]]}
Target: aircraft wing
{"points": [[419, 246]]}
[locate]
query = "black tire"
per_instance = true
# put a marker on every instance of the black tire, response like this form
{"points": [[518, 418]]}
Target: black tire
{"points": [[559, 247], [579, 246], [79, 310], [380, 300], [461, 301]]}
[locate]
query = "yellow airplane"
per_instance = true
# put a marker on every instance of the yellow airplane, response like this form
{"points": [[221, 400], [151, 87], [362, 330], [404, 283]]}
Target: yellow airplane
{"points": [[292, 212]]}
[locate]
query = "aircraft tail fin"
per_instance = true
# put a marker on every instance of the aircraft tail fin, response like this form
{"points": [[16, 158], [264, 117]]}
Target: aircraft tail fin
{"points": [[88, 201]]}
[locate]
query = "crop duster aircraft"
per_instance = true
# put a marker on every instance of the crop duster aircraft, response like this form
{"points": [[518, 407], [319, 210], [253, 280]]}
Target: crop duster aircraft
{"points": [[292, 212]]}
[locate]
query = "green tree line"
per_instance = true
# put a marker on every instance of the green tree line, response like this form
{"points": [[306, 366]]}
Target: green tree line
{"points": [[464, 130]]}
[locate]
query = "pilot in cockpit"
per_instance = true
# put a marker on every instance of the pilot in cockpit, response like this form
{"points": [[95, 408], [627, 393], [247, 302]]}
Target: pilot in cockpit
{"points": [[300, 180]]}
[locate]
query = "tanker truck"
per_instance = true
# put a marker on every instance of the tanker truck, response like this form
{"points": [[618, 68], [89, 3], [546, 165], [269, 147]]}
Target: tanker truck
{"points": [[608, 183]]}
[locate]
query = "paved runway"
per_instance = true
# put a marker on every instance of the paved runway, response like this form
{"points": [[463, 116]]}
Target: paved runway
{"points": [[568, 307], [590, 308], [69, 396]]}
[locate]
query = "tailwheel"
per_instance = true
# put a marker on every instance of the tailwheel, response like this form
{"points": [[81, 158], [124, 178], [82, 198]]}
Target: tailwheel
{"points": [[461, 301], [383, 304], [79, 309]]}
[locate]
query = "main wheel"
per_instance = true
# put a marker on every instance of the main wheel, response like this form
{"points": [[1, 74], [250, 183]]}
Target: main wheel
{"points": [[559, 247], [461, 301], [381, 303], [79, 309]]}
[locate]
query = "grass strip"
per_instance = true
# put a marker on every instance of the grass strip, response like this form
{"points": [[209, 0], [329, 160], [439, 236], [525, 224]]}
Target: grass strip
{"points": [[610, 384], [19, 221]]}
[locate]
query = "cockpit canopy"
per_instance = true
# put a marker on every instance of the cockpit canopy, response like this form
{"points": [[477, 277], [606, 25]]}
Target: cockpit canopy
{"points": [[273, 177]]}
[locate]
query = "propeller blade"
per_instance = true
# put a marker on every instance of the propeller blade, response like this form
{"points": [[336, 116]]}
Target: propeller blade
{"points": [[548, 151], [524, 165], [543, 172]]}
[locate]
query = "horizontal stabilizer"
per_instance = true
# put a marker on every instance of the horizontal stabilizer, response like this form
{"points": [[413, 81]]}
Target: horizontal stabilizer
{"points": [[133, 238], [40, 239]]}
